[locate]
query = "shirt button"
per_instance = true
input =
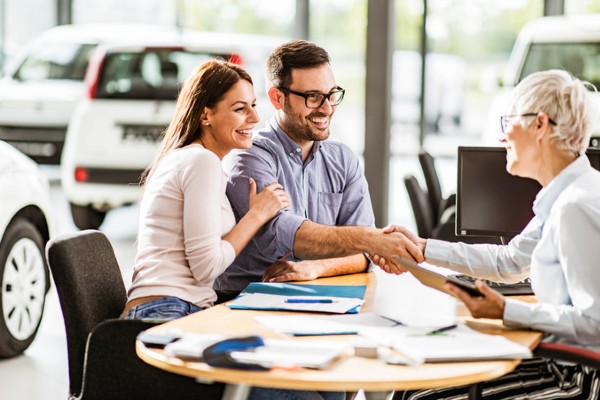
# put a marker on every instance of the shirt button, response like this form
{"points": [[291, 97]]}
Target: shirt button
{"points": [[291, 154], [298, 149]]}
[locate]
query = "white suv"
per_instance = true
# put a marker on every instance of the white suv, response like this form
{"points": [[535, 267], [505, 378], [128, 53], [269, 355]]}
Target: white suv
{"points": [[131, 92], [43, 83], [571, 43]]}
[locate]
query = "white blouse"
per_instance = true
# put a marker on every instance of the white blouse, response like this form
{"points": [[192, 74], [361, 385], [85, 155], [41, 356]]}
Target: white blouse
{"points": [[184, 213], [559, 249]]}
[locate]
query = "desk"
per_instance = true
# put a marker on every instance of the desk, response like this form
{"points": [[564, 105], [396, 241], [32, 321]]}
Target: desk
{"points": [[349, 373]]}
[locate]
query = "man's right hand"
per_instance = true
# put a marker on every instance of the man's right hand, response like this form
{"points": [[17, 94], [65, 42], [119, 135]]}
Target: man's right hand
{"points": [[315, 241], [420, 242], [412, 248]]}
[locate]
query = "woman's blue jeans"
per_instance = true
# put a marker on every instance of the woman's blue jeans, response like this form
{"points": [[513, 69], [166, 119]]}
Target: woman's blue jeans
{"points": [[166, 308]]}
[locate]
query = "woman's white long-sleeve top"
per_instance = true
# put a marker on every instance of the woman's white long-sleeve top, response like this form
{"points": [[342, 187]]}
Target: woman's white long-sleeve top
{"points": [[559, 249], [184, 213]]}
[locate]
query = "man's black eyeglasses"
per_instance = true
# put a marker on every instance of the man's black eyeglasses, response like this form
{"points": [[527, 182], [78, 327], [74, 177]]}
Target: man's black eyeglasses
{"points": [[505, 120], [316, 100]]}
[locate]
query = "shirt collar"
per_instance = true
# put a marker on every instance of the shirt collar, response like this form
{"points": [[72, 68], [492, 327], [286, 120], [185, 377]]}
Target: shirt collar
{"points": [[547, 196], [291, 148]]}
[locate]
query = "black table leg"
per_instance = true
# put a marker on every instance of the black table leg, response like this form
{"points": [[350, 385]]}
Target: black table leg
{"points": [[475, 391]]}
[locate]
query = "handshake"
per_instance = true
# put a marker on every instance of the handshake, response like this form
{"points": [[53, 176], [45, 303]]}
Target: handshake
{"points": [[403, 243], [488, 303]]}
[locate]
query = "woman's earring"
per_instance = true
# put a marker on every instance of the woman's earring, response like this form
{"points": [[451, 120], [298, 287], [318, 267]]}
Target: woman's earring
{"points": [[206, 123]]}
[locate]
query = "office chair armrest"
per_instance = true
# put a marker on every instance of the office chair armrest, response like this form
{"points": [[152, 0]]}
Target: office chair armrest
{"points": [[447, 209], [569, 353], [450, 200], [448, 216]]}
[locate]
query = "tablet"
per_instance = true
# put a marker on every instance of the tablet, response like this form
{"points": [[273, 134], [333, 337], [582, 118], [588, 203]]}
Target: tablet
{"points": [[434, 279]]}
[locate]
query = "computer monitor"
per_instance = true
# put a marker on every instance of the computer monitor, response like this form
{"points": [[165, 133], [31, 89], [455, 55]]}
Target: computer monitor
{"points": [[489, 200]]}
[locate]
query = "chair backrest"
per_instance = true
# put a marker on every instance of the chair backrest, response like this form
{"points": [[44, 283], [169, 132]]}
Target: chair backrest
{"points": [[432, 181], [570, 353], [421, 207], [90, 290], [113, 370]]}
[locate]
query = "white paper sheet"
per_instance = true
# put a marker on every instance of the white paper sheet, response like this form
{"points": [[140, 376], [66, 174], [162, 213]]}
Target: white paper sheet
{"points": [[300, 325]]}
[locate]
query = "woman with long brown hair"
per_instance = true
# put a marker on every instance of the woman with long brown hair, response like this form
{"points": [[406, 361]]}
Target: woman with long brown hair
{"points": [[187, 231]]}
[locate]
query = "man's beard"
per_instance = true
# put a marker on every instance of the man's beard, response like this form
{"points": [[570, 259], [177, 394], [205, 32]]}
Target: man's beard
{"points": [[300, 129]]}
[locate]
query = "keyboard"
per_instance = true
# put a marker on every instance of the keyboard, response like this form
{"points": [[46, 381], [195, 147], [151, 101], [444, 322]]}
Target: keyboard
{"points": [[522, 288]]}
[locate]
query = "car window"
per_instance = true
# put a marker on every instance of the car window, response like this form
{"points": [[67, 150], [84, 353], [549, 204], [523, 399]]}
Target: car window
{"points": [[580, 59], [153, 74], [56, 61]]}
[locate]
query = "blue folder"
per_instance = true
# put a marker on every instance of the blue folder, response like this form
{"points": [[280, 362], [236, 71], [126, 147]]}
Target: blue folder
{"points": [[286, 289]]}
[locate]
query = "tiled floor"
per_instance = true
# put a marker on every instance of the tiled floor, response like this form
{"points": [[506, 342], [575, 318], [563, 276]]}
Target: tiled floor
{"points": [[41, 373]]}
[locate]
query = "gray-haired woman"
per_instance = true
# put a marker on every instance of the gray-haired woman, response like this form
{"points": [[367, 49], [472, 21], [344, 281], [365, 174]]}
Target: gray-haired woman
{"points": [[545, 132]]}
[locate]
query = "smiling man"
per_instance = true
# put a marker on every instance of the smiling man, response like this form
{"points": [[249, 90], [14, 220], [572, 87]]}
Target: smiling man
{"points": [[330, 224]]}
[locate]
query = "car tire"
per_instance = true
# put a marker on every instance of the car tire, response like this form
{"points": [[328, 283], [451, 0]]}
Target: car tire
{"points": [[24, 278], [87, 217]]}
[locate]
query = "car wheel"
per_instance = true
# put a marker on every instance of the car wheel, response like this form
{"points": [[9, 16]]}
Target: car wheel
{"points": [[87, 217], [24, 282]]}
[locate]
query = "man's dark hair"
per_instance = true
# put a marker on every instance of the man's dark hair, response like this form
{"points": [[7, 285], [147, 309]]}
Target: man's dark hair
{"points": [[299, 54]]}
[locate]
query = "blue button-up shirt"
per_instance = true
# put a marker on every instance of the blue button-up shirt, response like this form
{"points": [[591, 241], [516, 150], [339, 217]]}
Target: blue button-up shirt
{"points": [[559, 249], [329, 189]]}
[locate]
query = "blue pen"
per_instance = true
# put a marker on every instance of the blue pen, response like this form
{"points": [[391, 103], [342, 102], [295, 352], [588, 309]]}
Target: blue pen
{"points": [[308, 301]]}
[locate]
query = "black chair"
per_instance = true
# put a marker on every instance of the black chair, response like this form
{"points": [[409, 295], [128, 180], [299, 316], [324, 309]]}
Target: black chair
{"points": [[101, 348], [442, 207], [427, 225], [421, 206]]}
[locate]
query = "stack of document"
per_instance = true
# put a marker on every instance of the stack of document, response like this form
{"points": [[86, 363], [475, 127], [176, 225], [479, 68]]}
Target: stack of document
{"points": [[192, 345], [293, 353], [290, 297], [273, 353], [460, 343]]}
